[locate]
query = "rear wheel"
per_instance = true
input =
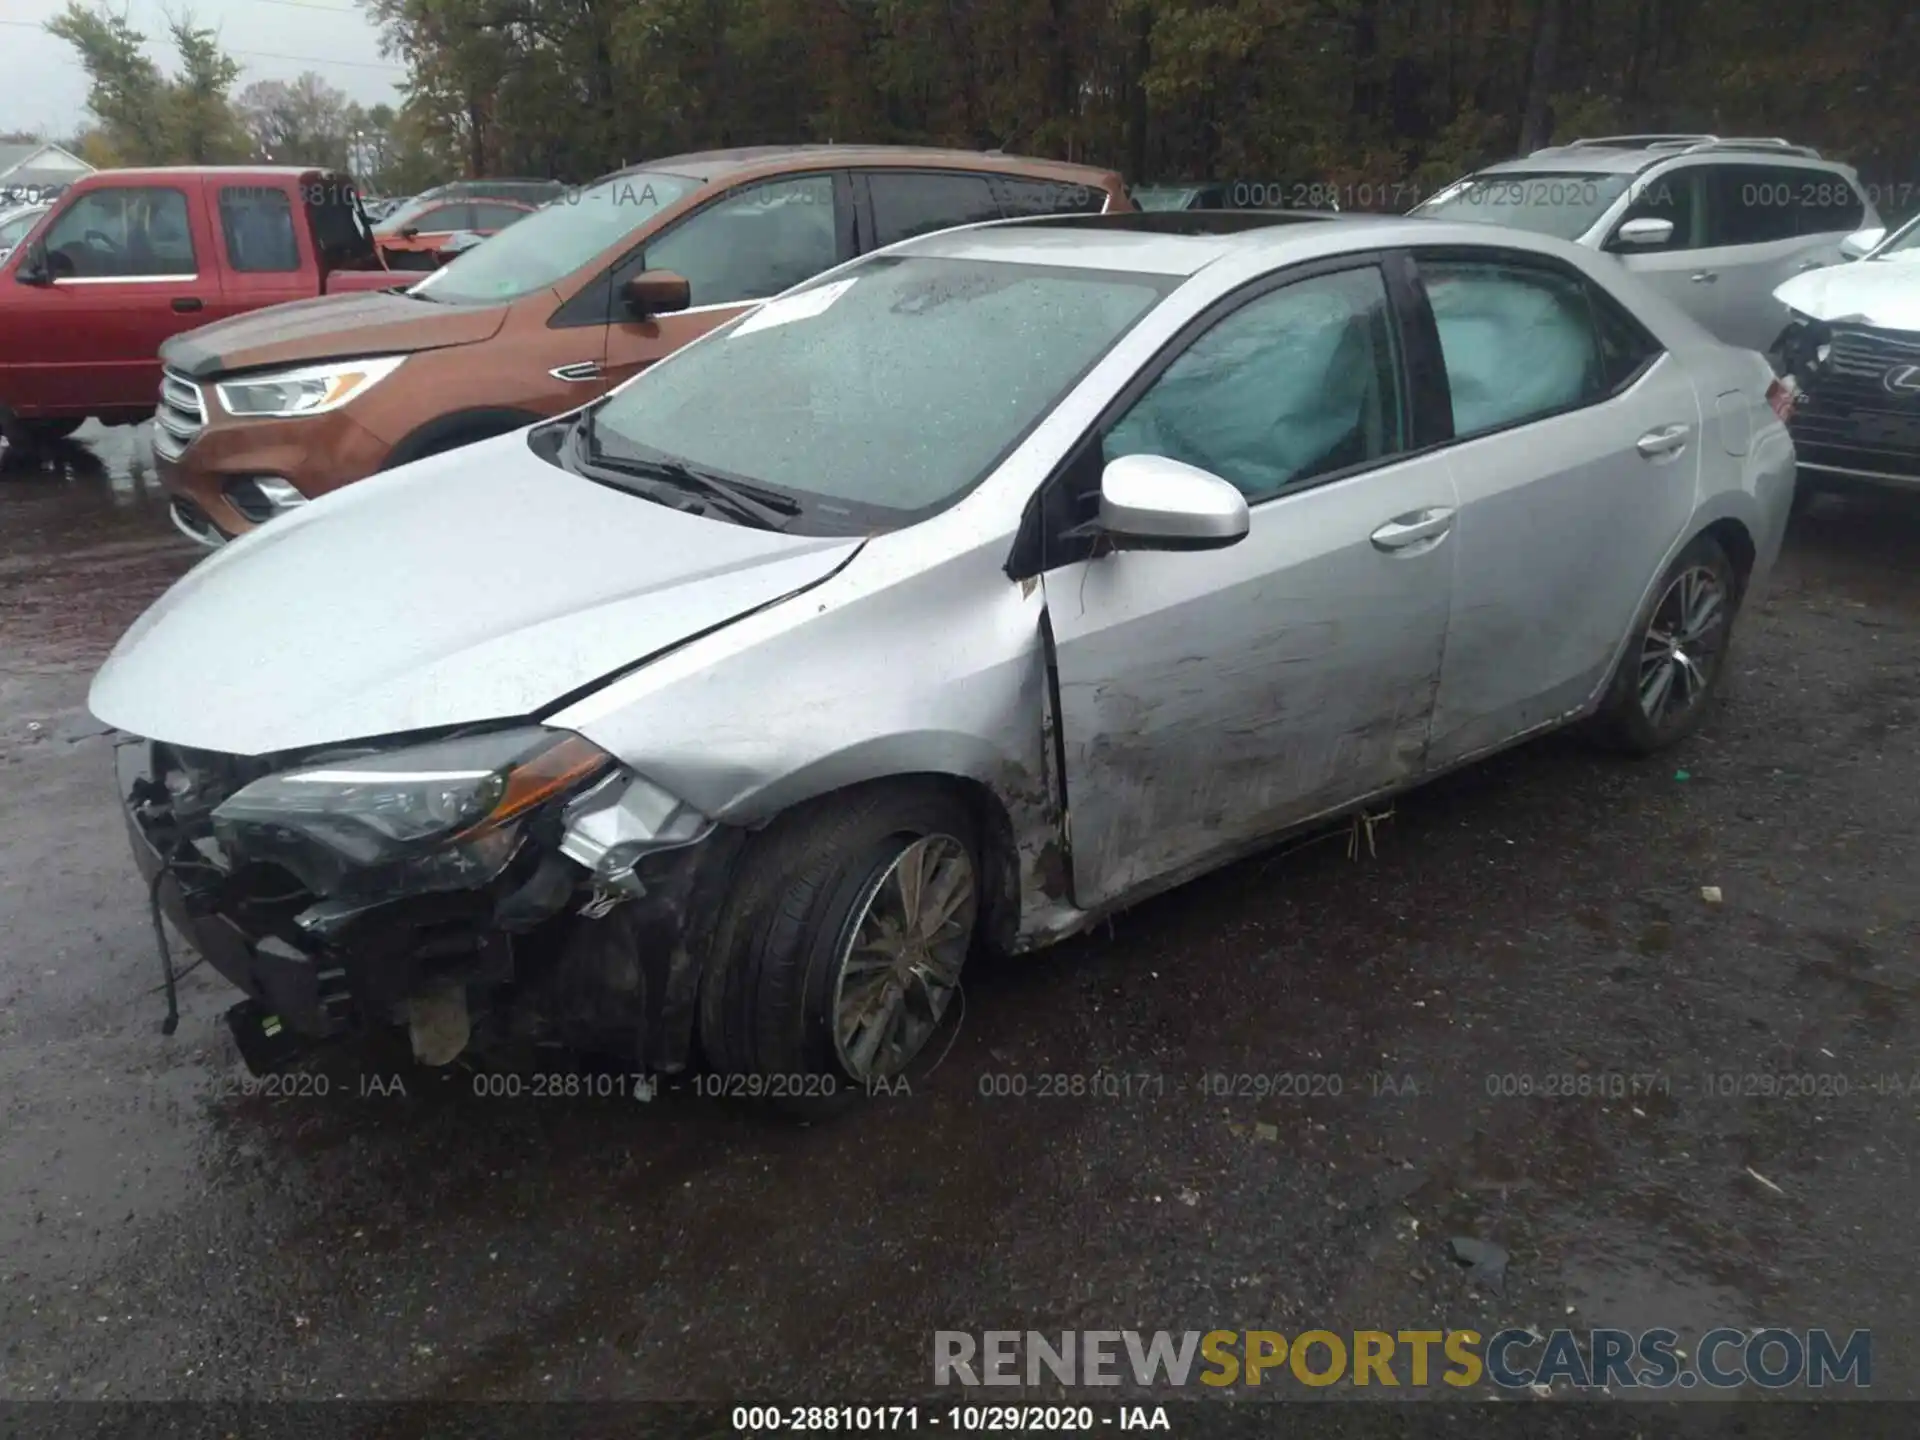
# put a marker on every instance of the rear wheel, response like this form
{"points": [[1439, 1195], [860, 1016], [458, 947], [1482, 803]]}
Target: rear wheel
{"points": [[1668, 675], [841, 948]]}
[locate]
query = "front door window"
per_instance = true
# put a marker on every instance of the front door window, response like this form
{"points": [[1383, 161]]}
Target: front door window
{"points": [[125, 233], [754, 243]]}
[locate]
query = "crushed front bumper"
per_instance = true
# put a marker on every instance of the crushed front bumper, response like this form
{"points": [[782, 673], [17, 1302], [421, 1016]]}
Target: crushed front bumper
{"points": [[320, 987], [1856, 413], [538, 954]]}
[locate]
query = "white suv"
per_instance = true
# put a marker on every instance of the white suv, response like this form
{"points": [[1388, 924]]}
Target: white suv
{"points": [[1716, 225]]}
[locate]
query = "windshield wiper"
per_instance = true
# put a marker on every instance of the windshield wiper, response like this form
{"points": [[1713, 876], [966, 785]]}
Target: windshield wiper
{"points": [[748, 504]]}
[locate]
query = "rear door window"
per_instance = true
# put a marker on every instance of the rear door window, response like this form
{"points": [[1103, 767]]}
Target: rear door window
{"points": [[1519, 341], [915, 202], [256, 222], [1044, 197], [1752, 204], [127, 232]]}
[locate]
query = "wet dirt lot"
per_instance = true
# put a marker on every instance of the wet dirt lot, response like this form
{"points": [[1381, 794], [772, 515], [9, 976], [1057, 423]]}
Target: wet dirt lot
{"points": [[165, 1234]]}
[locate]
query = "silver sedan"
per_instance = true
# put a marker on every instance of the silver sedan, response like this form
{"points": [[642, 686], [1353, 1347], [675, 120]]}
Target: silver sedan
{"points": [[952, 600]]}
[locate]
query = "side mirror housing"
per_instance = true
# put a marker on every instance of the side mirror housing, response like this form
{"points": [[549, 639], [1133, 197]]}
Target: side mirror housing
{"points": [[1646, 231], [1861, 241], [655, 292], [34, 269], [1149, 502]]}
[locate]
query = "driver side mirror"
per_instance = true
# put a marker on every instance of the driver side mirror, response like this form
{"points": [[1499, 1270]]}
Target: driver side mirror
{"points": [[1643, 233], [34, 268], [1149, 502], [655, 292], [1861, 241]]}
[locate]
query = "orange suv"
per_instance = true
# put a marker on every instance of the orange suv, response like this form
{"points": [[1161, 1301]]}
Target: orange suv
{"points": [[267, 411]]}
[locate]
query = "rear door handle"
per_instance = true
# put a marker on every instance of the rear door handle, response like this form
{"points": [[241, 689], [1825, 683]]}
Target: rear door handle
{"points": [[187, 304], [1705, 277], [1812, 265], [1668, 441], [1404, 531]]}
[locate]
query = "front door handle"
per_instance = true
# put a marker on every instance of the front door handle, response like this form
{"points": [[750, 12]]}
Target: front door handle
{"points": [[1806, 265], [1668, 441], [187, 304], [1405, 531], [1705, 277]]}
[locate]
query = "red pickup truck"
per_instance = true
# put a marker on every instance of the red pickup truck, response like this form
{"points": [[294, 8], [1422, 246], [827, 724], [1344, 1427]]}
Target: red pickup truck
{"points": [[129, 258]]}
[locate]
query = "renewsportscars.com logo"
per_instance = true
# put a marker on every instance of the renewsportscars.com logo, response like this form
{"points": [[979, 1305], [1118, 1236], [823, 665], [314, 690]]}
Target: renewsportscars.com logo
{"points": [[1723, 1359]]}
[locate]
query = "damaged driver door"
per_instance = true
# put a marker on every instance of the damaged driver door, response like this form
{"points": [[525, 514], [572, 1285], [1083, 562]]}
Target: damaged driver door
{"points": [[1210, 698]]}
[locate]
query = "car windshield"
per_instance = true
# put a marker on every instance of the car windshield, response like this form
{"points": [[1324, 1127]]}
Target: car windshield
{"points": [[882, 395], [1564, 203], [553, 242]]}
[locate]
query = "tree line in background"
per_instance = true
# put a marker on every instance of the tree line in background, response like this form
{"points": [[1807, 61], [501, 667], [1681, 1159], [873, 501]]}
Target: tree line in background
{"points": [[142, 116], [1379, 98]]}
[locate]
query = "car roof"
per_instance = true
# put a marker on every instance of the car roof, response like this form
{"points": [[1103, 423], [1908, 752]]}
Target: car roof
{"points": [[1184, 242], [161, 172], [719, 164], [1567, 159]]}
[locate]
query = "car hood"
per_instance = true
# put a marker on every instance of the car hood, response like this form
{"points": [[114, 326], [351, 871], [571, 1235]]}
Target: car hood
{"points": [[482, 584], [330, 328], [1884, 294]]}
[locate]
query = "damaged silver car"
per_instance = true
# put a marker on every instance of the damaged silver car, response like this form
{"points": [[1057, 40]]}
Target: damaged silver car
{"points": [[949, 602]]}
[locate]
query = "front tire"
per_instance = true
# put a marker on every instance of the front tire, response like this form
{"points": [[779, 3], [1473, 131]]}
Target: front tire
{"points": [[1661, 691], [840, 948]]}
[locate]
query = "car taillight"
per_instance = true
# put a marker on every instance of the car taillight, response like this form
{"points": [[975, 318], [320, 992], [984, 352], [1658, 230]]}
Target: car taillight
{"points": [[1781, 398]]}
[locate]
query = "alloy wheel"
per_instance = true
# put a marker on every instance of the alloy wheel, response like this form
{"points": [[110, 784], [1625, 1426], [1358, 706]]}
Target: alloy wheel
{"points": [[900, 964], [1681, 651]]}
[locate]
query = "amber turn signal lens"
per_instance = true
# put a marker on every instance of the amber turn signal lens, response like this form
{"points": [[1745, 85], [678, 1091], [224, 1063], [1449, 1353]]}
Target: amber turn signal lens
{"points": [[552, 772]]}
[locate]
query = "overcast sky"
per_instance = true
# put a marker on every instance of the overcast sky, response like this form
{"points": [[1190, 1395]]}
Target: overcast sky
{"points": [[42, 86]]}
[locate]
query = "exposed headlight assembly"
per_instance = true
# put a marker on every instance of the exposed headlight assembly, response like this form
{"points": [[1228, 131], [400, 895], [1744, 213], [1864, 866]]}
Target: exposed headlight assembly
{"points": [[441, 816], [309, 390]]}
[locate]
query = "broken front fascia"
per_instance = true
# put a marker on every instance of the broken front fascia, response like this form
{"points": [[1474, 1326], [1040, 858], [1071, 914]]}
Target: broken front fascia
{"points": [[346, 941]]}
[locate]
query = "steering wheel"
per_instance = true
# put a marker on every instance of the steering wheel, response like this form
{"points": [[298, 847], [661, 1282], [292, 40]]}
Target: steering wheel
{"points": [[105, 241]]}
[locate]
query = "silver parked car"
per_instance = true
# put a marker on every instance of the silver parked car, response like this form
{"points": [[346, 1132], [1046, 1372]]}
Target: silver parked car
{"points": [[952, 600], [1715, 225]]}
